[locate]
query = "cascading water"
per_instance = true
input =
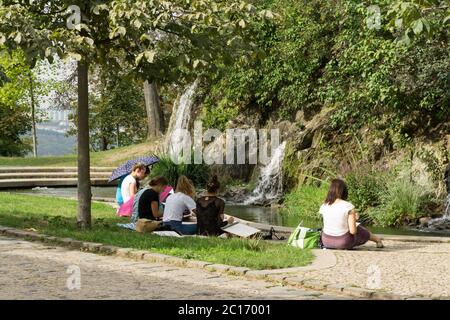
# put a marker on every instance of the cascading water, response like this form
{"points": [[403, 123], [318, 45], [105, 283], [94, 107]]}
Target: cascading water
{"points": [[442, 223], [270, 184], [447, 208], [181, 116]]}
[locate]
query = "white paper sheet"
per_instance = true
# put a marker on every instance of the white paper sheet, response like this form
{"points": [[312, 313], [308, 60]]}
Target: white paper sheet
{"points": [[240, 229]]}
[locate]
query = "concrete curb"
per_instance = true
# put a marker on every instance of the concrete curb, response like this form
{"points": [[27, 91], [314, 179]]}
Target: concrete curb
{"points": [[284, 276]]}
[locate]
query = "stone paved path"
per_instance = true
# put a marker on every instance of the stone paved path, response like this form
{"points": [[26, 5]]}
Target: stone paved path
{"points": [[404, 268], [32, 270]]}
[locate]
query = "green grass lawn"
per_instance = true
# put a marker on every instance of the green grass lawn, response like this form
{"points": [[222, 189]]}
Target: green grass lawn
{"points": [[113, 157], [56, 217]]}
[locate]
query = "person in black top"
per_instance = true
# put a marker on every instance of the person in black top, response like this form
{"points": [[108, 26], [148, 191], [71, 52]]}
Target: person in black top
{"points": [[148, 201], [210, 211]]}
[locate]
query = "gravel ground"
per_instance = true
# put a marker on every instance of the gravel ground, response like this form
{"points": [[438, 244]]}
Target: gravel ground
{"points": [[31, 270], [403, 268]]}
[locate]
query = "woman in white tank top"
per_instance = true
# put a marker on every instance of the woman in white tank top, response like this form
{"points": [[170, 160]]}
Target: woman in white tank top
{"points": [[340, 229]]}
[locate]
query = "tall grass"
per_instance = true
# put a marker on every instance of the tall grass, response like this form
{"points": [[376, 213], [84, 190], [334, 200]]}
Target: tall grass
{"points": [[57, 217], [305, 201], [365, 187], [402, 202], [198, 173]]}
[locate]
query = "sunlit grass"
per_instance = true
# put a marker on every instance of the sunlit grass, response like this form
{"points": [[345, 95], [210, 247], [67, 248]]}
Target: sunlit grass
{"points": [[56, 217]]}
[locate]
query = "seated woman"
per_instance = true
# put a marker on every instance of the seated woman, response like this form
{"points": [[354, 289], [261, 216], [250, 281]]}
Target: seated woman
{"points": [[146, 201], [179, 202], [209, 212], [130, 184], [340, 230]]}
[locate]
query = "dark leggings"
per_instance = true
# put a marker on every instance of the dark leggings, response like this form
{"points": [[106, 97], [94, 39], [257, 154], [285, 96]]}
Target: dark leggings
{"points": [[346, 241]]}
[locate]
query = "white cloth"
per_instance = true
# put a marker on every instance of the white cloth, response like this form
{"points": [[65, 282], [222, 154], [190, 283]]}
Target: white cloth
{"points": [[126, 187], [176, 204], [335, 217]]}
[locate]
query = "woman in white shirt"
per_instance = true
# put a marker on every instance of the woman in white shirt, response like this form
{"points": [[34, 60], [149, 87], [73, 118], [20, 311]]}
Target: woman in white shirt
{"points": [[177, 204], [340, 229], [130, 184]]}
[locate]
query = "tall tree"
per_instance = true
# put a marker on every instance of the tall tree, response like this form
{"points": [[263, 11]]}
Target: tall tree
{"points": [[155, 120], [15, 119], [92, 31]]}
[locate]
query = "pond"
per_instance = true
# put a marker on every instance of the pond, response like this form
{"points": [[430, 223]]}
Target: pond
{"points": [[266, 215]]}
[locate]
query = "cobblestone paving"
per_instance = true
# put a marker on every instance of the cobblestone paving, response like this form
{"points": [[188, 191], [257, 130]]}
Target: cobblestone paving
{"points": [[31, 270], [404, 268]]}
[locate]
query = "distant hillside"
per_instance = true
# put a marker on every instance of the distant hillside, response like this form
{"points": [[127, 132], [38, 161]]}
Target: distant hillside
{"points": [[108, 158], [52, 143]]}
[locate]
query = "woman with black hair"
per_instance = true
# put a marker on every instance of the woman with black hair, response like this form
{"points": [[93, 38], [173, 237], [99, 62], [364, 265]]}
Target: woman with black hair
{"points": [[340, 229], [210, 211]]}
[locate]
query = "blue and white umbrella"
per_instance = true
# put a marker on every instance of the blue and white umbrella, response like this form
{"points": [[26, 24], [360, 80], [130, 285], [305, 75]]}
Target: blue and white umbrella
{"points": [[125, 168]]}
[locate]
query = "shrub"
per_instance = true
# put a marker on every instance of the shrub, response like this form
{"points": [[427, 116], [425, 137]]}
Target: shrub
{"points": [[306, 200], [402, 201], [198, 173], [365, 188]]}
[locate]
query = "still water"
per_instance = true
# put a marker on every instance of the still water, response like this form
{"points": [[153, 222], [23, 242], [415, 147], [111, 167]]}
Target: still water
{"points": [[266, 215]]}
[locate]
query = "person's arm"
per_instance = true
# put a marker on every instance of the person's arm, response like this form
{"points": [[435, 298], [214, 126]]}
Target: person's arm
{"points": [[190, 205], [155, 209], [352, 222], [221, 212], [132, 188]]}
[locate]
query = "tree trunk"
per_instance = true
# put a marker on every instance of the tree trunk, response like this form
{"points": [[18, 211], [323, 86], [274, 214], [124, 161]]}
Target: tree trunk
{"points": [[33, 115], [103, 144], [117, 136], [84, 182], [155, 121]]}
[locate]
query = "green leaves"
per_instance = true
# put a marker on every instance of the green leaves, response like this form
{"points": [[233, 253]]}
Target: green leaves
{"points": [[417, 18], [197, 62], [100, 7], [149, 56], [18, 37], [417, 26]]}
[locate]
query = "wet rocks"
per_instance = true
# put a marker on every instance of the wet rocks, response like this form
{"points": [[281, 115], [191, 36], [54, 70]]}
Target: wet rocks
{"points": [[439, 224], [423, 222], [236, 194]]}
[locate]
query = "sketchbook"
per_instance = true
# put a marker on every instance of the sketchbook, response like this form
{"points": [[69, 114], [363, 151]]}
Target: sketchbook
{"points": [[167, 234], [240, 229]]}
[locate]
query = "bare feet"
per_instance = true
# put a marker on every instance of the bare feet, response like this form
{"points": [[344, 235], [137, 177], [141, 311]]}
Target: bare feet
{"points": [[380, 244]]}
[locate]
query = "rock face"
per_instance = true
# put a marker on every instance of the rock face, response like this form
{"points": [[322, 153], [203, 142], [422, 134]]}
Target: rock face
{"points": [[236, 194], [447, 178], [424, 221], [439, 224]]}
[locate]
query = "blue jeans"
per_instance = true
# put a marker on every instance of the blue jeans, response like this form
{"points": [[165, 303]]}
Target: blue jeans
{"points": [[181, 228]]}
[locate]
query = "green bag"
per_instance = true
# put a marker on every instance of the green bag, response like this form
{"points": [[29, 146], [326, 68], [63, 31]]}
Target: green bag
{"points": [[305, 238]]}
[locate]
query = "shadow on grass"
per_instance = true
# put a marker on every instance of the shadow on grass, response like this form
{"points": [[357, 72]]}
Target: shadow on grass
{"points": [[237, 252]]}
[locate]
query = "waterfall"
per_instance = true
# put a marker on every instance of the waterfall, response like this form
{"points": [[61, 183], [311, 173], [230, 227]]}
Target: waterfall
{"points": [[270, 184], [442, 223], [181, 116], [447, 208]]}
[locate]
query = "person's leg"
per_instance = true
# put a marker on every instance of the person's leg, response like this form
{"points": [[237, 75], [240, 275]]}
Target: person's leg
{"points": [[188, 229], [376, 239], [363, 235], [174, 225]]}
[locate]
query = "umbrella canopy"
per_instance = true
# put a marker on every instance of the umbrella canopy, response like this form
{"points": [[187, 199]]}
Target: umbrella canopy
{"points": [[125, 168]]}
